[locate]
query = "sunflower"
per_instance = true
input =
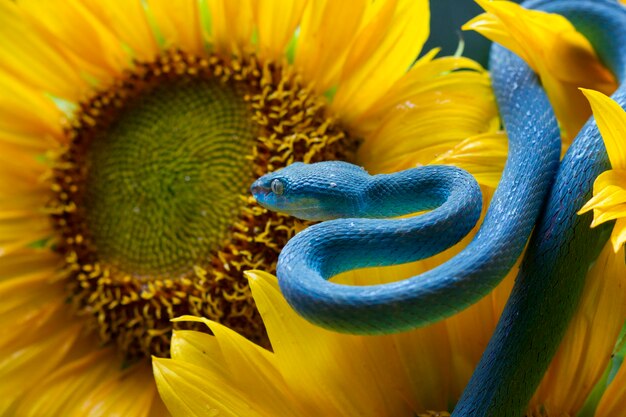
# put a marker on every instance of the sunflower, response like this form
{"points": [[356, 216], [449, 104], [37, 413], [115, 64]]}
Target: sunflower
{"points": [[311, 371], [130, 132]]}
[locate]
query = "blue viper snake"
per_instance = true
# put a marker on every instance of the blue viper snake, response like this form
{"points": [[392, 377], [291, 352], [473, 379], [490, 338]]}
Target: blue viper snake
{"points": [[535, 191]]}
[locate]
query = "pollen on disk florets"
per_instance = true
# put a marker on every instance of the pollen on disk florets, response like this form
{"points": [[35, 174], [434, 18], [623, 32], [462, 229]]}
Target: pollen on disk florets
{"points": [[151, 193]]}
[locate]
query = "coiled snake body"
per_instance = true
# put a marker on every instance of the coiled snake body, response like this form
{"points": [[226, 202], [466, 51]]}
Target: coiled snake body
{"points": [[559, 254]]}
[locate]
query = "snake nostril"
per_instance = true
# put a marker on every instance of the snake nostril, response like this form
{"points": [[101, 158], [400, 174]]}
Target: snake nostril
{"points": [[257, 189]]}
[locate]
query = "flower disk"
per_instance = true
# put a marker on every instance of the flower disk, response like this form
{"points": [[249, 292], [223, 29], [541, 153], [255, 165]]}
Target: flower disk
{"points": [[151, 194]]}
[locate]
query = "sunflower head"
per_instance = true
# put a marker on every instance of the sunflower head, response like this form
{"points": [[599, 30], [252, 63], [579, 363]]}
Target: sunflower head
{"points": [[151, 192]]}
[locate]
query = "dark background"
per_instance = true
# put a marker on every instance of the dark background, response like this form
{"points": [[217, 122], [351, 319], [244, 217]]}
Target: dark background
{"points": [[447, 17]]}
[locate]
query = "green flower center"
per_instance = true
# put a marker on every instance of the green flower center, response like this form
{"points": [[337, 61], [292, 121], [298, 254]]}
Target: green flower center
{"points": [[164, 181]]}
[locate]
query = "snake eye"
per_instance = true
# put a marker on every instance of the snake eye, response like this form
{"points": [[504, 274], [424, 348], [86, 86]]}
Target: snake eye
{"points": [[277, 187]]}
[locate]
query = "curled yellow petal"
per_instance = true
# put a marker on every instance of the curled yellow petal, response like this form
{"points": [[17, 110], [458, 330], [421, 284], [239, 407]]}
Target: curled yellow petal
{"points": [[549, 43], [182, 388], [611, 120], [609, 189], [198, 348]]}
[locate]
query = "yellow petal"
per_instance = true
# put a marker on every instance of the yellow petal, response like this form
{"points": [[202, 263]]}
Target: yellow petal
{"points": [[231, 24], [199, 349], [30, 291], [24, 110], [129, 393], [21, 228], [181, 386], [25, 161], [471, 329], [586, 350], [33, 58], [483, 156], [276, 22], [33, 298], [127, 19], [618, 237], [611, 120], [609, 189], [439, 122], [299, 346], [610, 213], [613, 401], [611, 178], [37, 142], [446, 75], [58, 392], [423, 354], [313, 361], [25, 366], [608, 197], [25, 195], [382, 52], [33, 319], [255, 371], [27, 261], [426, 355], [609, 192], [179, 23], [552, 47], [442, 102], [242, 364], [327, 31], [241, 355], [69, 23], [20, 164]]}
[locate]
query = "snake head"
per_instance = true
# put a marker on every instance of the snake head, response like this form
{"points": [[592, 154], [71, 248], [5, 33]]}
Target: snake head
{"points": [[320, 191]]}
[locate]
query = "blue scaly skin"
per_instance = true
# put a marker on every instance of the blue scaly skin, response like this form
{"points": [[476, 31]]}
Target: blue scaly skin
{"points": [[562, 248], [329, 189], [552, 275]]}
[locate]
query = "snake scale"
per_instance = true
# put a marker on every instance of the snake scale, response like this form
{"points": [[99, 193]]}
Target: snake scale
{"points": [[535, 191]]}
